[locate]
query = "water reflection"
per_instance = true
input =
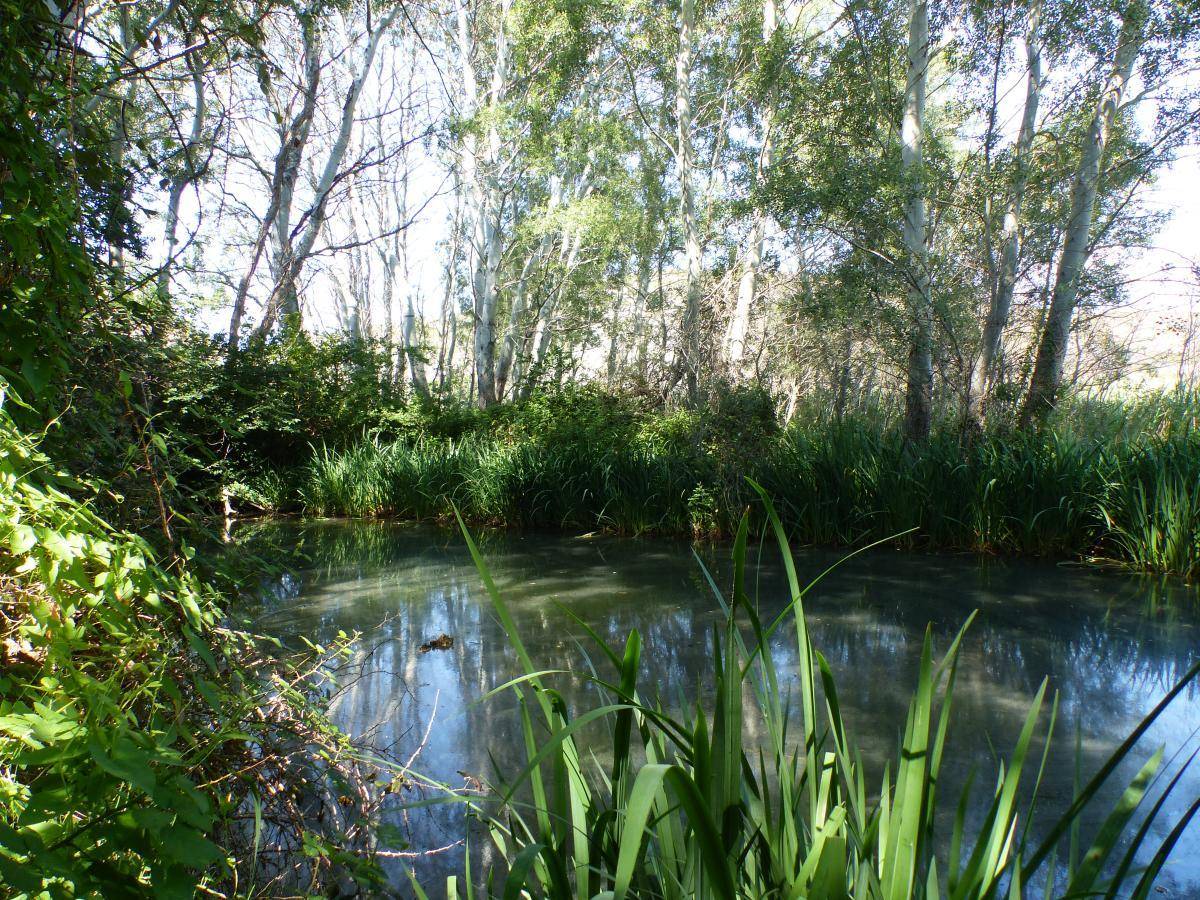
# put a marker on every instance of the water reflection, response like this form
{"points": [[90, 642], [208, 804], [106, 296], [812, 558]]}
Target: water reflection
{"points": [[1111, 645]]}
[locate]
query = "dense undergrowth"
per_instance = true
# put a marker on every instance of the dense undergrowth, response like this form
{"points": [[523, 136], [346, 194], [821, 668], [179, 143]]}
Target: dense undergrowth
{"points": [[147, 747], [316, 425], [1118, 481]]}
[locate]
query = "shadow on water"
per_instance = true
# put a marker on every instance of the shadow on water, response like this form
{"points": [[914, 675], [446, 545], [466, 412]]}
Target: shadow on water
{"points": [[1111, 645]]}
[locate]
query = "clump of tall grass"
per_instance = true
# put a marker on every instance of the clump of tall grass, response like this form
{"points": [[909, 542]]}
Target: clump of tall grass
{"points": [[525, 484], [694, 805], [1119, 483], [1152, 508]]}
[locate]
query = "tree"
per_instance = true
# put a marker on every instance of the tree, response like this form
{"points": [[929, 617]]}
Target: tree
{"points": [[1052, 348], [739, 322], [1003, 285], [918, 404]]}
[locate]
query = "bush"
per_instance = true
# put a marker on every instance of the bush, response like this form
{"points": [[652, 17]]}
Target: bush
{"points": [[139, 733]]}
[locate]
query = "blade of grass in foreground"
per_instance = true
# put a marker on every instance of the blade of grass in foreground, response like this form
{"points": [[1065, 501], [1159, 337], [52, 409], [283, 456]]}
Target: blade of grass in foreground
{"points": [[702, 817]]}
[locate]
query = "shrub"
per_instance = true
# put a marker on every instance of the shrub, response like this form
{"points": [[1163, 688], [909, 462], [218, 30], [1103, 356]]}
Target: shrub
{"points": [[139, 733]]}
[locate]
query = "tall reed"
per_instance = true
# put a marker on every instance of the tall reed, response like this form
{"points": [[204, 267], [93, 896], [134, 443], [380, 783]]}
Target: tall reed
{"points": [[692, 805], [1121, 485]]}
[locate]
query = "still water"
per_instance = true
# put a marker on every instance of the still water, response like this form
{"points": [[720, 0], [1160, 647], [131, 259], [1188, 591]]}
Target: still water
{"points": [[1110, 644]]}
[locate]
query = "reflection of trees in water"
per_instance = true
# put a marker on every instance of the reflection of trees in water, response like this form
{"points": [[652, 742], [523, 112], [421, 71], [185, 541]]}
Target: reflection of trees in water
{"points": [[402, 585], [1109, 662]]}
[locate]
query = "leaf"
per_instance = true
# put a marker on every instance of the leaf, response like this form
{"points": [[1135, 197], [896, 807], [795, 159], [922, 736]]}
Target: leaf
{"points": [[126, 763]]}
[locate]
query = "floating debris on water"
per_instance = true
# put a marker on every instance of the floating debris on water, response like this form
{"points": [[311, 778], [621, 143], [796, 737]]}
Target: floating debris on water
{"points": [[441, 642]]}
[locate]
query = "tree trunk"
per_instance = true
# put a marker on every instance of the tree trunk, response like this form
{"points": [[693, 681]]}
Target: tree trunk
{"points": [[483, 176], [918, 405], [685, 160], [119, 139], [387, 261], [512, 340], [1051, 354], [641, 325], [399, 253], [188, 175], [508, 349], [985, 374], [292, 140], [543, 330], [284, 297], [449, 336], [614, 328], [739, 322]]}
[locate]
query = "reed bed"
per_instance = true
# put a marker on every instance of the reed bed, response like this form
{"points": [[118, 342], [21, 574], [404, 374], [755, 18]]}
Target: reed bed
{"points": [[1119, 484]]}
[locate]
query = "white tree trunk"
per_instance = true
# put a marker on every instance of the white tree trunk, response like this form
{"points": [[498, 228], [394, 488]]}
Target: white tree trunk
{"points": [[411, 333], [984, 376], [526, 377], [685, 160], [512, 336], [614, 330], [919, 395], [292, 140], [1051, 354], [354, 291], [512, 340], [641, 325], [284, 296], [481, 174], [739, 322], [189, 173], [449, 335]]}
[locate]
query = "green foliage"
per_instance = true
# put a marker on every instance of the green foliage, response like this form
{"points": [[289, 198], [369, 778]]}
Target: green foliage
{"points": [[59, 196], [768, 795], [1152, 506], [1113, 481], [136, 727], [212, 421], [276, 397]]}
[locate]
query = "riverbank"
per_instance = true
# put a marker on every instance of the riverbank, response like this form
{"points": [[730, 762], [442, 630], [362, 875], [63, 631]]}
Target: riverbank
{"points": [[1115, 483]]}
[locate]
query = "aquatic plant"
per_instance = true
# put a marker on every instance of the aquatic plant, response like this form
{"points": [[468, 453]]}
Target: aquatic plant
{"points": [[1152, 508], [1114, 487], [697, 805]]}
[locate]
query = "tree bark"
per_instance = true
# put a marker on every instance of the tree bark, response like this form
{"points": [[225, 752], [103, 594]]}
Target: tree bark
{"points": [[449, 336], [482, 176], [292, 140], [512, 339], [918, 405], [508, 348], [739, 323], [1046, 379], [685, 160], [614, 329], [284, 297], [986, 371], [543, 330], [189, 174]]}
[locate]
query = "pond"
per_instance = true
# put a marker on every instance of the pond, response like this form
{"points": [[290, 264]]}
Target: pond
{"points": [[1110, 644]]}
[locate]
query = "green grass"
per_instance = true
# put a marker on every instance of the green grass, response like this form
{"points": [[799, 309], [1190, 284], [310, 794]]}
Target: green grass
{"points": [[1152, 508], [1115, 482], [692, 806]]}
